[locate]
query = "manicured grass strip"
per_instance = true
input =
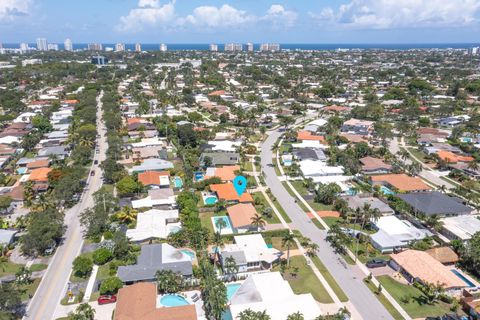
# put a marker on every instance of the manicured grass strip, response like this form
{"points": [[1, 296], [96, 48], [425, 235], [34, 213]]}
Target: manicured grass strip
{"points": [[261, 197], [38, 267], [383, 300], [412, 299], [305, 281], [300, 203], [9, 268], [330, 279]]}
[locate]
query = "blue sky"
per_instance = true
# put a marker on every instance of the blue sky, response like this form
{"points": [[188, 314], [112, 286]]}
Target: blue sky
{"points": [[205, 21]]}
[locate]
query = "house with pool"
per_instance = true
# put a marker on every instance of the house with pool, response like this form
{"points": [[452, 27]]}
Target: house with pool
{"points": [[155, 257], [250, 252], [154, 224], [140, 301], [227, 192]]}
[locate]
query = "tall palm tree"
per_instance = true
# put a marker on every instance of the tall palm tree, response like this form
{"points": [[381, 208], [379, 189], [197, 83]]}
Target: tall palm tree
{"points": [[28, 193], [258, 221], [473, 165], [127, 215], [287, 241], [230, 265], [218, 241], [312, 249], [85, 311], [86, 142], [220, 224]]}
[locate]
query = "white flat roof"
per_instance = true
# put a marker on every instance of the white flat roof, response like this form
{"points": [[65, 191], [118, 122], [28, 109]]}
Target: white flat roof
{"points": [[152, 224], [463, 226]]}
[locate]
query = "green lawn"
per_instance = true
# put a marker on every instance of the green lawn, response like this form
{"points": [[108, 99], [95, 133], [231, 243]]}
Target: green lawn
{"points": [[30, 289], [320, 206], [247, 166], [38, 267], [330, 221], [305, 280], [277, 170], [290, 192], [366, 252], [420, 155], [206, 218], [318, 224], [383, 300], [9, 268], [330, 279], [415, 306], [276, 242], [261, 197], [298, 185]]}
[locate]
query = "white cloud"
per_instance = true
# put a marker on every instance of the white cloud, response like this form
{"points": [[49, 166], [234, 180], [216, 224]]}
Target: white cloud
{"points": [[386, 14], [150, 13], [10, 9], [210, 16], [280, 17]]}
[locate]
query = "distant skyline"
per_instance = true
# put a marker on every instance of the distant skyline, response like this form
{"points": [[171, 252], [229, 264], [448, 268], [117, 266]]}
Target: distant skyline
{"points": [[216, 21]]}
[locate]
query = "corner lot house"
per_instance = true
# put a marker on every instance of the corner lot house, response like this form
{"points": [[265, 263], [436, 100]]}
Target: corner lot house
{"points": [[139, 301], [435, 203], [250, 253], [269, 292], [460, 227], [420, 266], [155, 257]]}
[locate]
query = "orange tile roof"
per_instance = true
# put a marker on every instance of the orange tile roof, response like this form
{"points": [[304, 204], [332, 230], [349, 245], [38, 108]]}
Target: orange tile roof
{"points": [[38, 164], [216, 93], [324, 214], [241, 214], [134, 120], [307, 135], [70, 101], [139, 301], [151, 177], [421, 265], [402, 182], [336, 108], [40, 174], [226, 191], [452, 157], [225, 173]]}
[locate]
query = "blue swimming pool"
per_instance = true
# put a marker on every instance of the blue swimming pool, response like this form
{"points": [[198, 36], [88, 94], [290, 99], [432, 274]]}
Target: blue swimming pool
{"points": [[386, 191], [351, 192], [173, 300], [189, 253], [226, 229], [210, 200], [199, 176], [177, 182], [464, 279], [231, 289]]}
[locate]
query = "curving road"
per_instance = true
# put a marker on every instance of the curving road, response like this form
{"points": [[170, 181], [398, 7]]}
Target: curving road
{"points": [[54, 283], [348, 277]]}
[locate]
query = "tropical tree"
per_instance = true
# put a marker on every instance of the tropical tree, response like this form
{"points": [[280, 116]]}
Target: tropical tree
{"points": [[434, 222], [258, 221], [169, 281], [253, 315], [296, 316], [23, 276], [312, 249], [127, 215], [83, 312], [338, 239], [288, 241], [230, 265]]}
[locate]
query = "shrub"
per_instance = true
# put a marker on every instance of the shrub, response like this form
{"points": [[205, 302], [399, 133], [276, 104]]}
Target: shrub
{"points": [[102, 256], [82, 266], [111, 285]]}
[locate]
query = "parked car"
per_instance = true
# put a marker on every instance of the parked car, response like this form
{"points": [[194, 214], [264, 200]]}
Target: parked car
{"points": [[95, 162], [107, 299], [92, 173], [376, 263]]}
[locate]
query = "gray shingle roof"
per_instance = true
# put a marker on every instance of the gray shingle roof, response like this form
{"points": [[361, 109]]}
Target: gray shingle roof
{"points": [[435, 203], [155, 257]]}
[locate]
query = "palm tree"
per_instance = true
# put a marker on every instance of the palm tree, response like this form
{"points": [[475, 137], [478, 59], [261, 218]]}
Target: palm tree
{"points": [[218, 241], [127, 215], [230, 265], [28, 193], [403, 154], [220, 224], [287, 241], [86, 142], [434, 222], [296, 316], [85, 311], [473, 165], [45, 201], [258, 221], [312, 249]]}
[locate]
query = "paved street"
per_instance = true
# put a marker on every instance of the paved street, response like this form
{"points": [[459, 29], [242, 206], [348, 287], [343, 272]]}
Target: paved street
{"points": [[348, 277], [54, 283]]}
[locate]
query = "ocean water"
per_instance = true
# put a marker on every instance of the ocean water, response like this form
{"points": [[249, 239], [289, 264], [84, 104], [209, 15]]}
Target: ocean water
{"points": [[284, 46]]}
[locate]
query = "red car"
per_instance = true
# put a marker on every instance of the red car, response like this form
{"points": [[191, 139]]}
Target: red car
{"points": [[107, 299]]}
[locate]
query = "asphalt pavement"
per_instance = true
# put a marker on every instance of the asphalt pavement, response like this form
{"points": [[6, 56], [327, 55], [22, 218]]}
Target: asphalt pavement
{"points": [[54, 283]]}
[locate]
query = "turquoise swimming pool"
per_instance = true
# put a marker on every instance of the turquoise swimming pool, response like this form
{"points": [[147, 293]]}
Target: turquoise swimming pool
{"points": [[231, 289], [226, 228], [177, 182], [189, 253], [210, 200], [386, 191], [173, 300]]}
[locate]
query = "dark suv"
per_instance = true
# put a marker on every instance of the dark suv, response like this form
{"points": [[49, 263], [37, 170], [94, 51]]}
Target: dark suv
{"points": [[376, 263]]}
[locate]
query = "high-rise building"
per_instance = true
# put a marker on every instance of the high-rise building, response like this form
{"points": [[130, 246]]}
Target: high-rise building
{"points": [[95, 47], [119, 47], [24, 47], [138, 47], [163, 47], [250, 47], [68, 45], [270, 47], [214, 47], [233, 47], [42, 44], [52, 47], [99, 60]]}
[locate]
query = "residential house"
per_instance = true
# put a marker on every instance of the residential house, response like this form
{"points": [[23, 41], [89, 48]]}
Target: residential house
{"points": [[157, 198], [139, 301], [460, 227], [356, 126], [153, 258], [435, 203], [225, 173], [152, 165], [315, 125], [393, 233], [241, 216], [359, 201], [227, 192], [59, 151], [401, 182], [445, 255], [220, 158], [269, 292], [309, 136], [420, 266], [155, 179], [39, 177], [310, 154], [154, 224], [371, 165], [7, 236], [250, 252]]}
